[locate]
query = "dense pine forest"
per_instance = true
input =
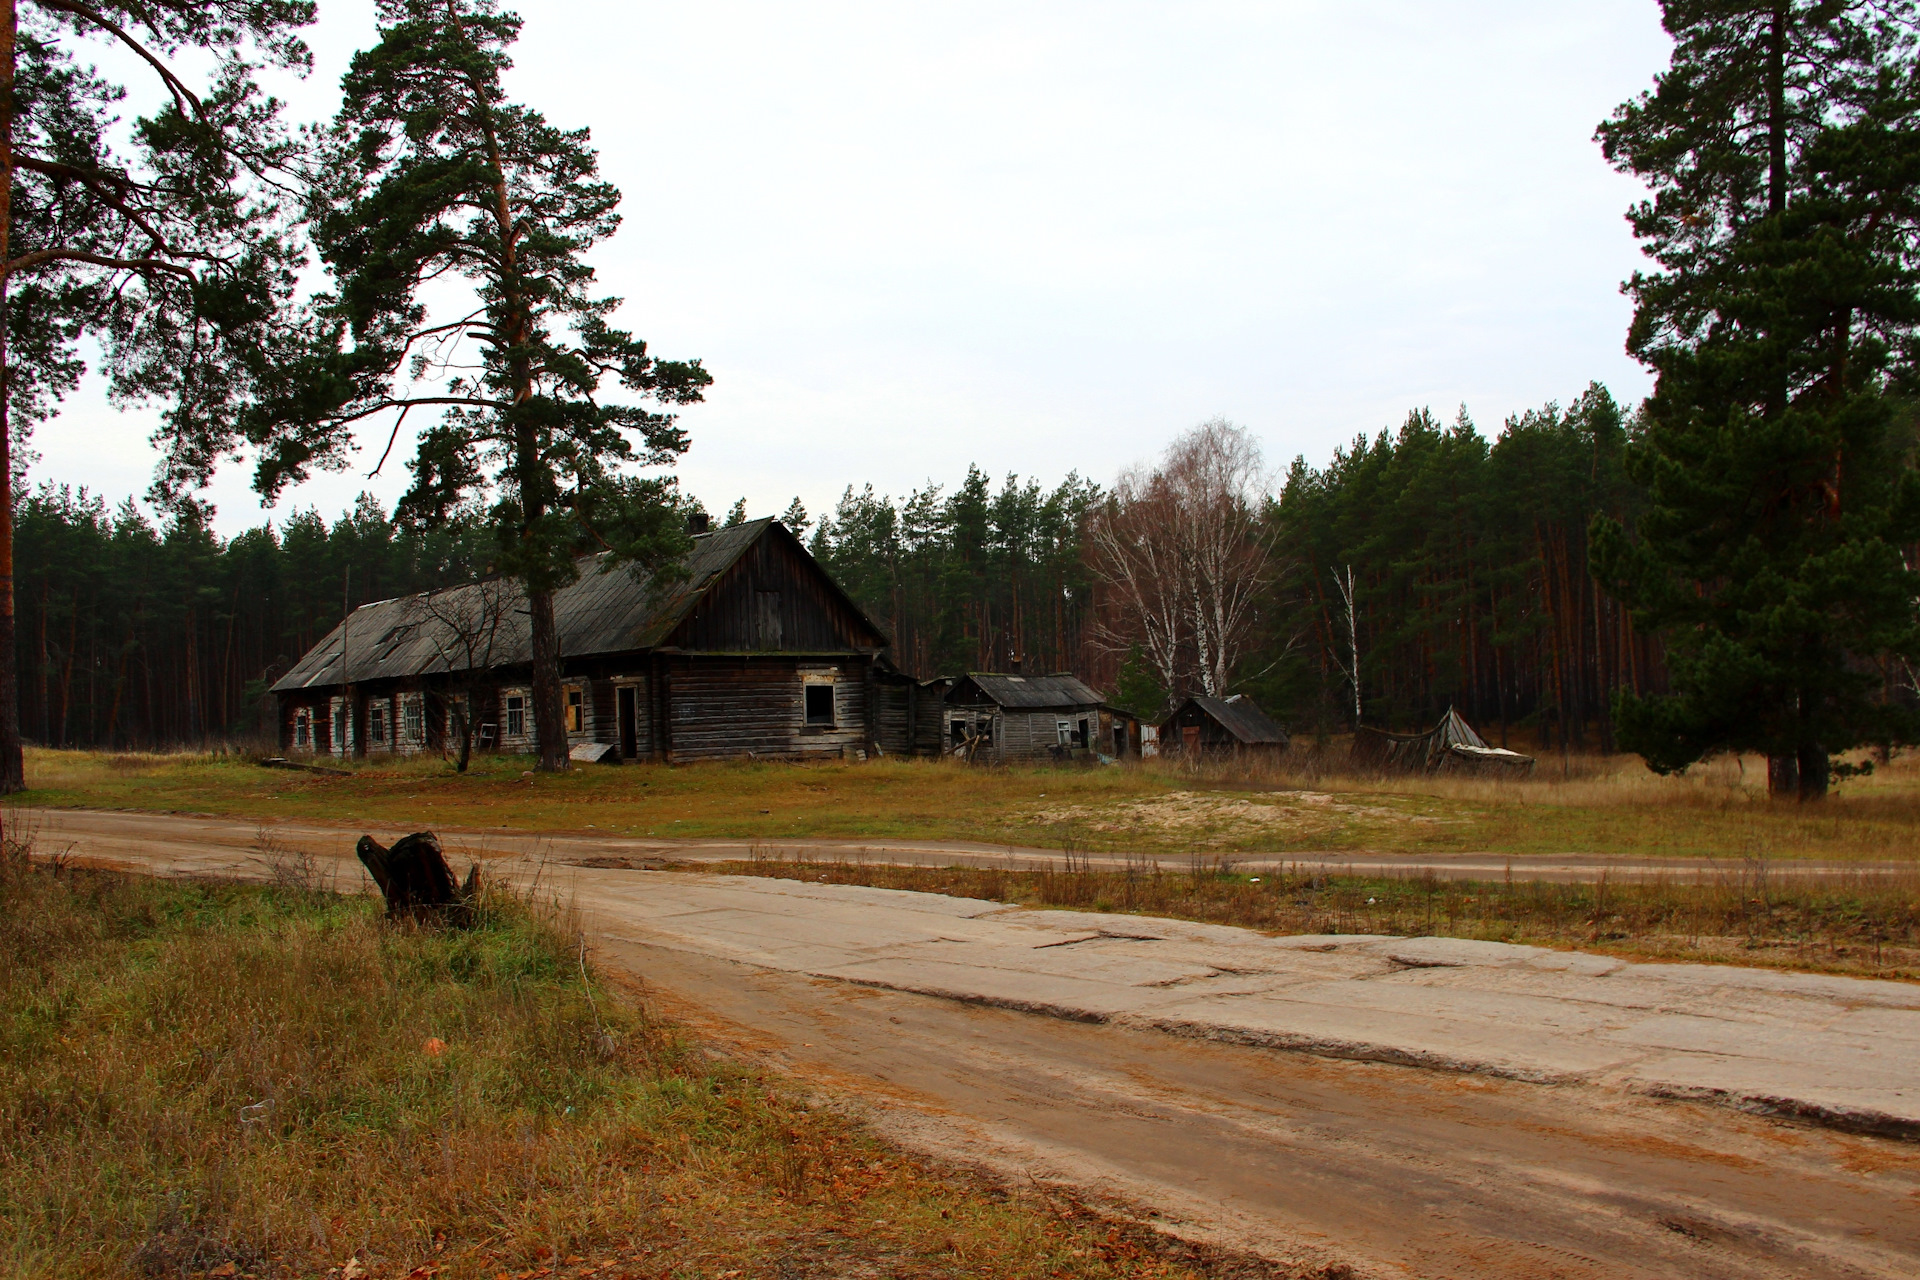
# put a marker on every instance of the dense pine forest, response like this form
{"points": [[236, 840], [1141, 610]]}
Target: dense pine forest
{"points": [[1467, 556]]}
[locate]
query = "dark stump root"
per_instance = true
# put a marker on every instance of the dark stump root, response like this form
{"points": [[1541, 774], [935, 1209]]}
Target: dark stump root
{"points": [[418, 885]]}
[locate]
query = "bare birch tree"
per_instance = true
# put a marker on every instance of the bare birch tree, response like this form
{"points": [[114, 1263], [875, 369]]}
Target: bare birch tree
{"points": [[1184, 560], [1350, 665], [468, 627]]}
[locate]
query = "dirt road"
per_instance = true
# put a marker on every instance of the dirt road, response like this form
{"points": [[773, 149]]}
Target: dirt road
{"points": [[1391, 1170], [104, 831]]}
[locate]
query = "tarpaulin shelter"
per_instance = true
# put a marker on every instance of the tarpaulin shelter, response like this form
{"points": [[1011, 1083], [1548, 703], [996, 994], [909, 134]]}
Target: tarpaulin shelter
{"points": [[1449, 747]]}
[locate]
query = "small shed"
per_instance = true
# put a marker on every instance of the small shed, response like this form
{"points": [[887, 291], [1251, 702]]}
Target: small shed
{"points": [[1449, 747], [1005, 717], [1202, 726]]}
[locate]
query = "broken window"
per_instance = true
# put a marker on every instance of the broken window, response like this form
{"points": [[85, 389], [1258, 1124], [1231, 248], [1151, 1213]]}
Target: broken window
{"points": [[959, 729], [516, 716], [413, 719], [576, 710], [303, 728], [1063, 729], [377, 724], [820, 704]]}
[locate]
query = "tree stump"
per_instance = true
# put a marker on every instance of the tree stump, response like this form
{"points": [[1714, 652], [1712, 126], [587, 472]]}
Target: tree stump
{"points": [[417, 883]]}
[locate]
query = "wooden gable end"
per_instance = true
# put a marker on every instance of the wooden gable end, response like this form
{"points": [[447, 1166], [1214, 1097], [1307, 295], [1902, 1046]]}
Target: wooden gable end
{"points": [[776, 599]]}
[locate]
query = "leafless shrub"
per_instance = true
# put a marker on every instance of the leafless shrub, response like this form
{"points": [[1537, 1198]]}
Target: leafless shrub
{"points": [[288, 868]]}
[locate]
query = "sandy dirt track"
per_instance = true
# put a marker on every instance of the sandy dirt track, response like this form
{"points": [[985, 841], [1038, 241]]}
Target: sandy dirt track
{"points": [[103, 831], [1390, 1169]]}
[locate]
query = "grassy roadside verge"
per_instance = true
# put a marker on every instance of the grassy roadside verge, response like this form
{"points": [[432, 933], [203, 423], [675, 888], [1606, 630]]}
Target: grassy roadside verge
{"points": [[1302, 803], [1857, 924], [217, 1080]]}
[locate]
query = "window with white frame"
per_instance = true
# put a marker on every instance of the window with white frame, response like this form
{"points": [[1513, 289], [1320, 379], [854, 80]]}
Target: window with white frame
{"points": [[377, 724], [817, 698], [303, 729], [1064, 730], [516, 706]]}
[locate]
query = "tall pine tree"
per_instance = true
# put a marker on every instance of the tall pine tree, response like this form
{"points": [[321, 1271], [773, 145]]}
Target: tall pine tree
{"points": [[437, 175], [167, 243], [1782, 151]]}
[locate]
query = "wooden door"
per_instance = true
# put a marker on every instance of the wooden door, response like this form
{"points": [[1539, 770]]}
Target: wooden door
{"points": [[629, 732]]}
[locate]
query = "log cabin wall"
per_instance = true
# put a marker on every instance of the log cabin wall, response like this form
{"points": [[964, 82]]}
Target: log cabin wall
{"points": [[723, 707], [894, 709], [929, 720]]}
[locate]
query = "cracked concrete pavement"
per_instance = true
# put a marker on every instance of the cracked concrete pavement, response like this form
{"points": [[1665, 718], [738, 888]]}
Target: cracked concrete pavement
{"points": [[1585, 1118]]}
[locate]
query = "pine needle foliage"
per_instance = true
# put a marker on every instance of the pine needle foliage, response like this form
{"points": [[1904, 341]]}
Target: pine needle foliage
{"points": [[435, 176], [1782, 152]]}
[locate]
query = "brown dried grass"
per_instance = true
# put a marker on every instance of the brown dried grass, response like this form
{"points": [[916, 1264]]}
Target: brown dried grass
{"points": [[214, 1080]]}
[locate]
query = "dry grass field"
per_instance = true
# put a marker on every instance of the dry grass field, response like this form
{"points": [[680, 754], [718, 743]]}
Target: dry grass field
{"points": [[204, 1080], [1303, 803]]}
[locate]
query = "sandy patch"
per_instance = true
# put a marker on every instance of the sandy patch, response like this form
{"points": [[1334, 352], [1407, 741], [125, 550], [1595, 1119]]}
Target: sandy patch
{"points": [[1217, 817]]}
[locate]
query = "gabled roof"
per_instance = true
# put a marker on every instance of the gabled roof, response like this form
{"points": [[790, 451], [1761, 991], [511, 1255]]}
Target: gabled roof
{"points": [[1017, 692], [608, 609], [1238, 716]]}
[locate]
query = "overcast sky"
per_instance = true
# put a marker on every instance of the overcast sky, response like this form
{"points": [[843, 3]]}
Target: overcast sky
{"points": [[1045, 237]]}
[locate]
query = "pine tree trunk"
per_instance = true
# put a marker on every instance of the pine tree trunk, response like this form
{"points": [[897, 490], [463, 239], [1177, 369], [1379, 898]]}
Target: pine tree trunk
{"points": [[1815, 770], [549, 721], [12, 767]]}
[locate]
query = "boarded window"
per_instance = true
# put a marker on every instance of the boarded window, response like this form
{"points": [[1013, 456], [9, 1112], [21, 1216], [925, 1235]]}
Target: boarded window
{"points": [[820, 704], [576, 710]]}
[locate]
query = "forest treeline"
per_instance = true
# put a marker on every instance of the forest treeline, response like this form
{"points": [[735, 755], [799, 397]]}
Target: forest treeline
{"points": [[1467, 556], [132, 635]]}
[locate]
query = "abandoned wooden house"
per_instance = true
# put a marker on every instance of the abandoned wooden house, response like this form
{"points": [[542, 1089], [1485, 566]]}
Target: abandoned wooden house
{"points": [[758, 652], [1201, 726], [999, 718]]}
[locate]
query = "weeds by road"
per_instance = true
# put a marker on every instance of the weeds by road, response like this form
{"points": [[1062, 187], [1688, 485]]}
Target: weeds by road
{"points": [[213, 1080], [1864, 924], [1303, 802]]}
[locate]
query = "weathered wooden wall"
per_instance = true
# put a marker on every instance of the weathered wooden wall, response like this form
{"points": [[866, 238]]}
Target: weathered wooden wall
{"points": [[729, 708], [775, 600]]}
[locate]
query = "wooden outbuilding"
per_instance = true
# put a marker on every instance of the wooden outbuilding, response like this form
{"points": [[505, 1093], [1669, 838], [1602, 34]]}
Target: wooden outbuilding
{"points": [[1202, 726], [756, 653], [1000, 717]]}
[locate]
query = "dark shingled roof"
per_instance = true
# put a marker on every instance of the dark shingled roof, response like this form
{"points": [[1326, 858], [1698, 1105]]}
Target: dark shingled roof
{"points": [[1240, 717], [1059, 690], [608, 610]]}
